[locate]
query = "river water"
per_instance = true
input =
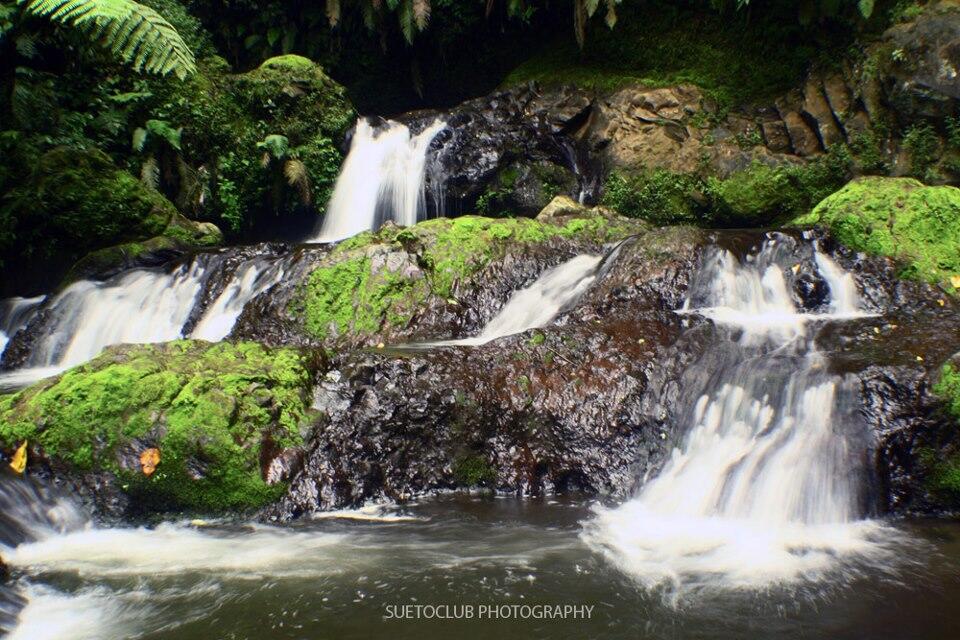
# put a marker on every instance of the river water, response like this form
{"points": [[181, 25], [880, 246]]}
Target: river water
{"points": [[336, 577]]}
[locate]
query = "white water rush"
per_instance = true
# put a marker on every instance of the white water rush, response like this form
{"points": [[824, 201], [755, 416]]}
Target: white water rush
{"points": [[135, 307], [541, 302], [383, 178], [766, 488]]}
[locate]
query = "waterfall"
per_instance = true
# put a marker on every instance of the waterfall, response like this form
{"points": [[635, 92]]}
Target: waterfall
{"points": [[136, 307], [766, 487], [555, 291], [383, 178], [250, 280]]}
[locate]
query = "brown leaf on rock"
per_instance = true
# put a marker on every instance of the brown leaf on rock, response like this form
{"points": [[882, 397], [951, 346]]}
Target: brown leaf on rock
{"points": [[149, 459]]}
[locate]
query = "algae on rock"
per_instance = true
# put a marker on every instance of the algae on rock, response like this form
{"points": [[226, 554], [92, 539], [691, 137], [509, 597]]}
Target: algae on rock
{"points": [[900, 218], [216, 412]]}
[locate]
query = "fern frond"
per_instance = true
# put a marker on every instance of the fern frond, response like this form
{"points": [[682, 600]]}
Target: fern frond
{"points": [[611, 18], [297, 177], [133, 32], [333, 12], [406, 21], [421, 13]]}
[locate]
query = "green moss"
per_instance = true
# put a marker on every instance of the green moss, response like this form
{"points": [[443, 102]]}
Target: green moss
{"points": [[208, 408], [472, 471], [761, 194], [347, 295], [290, 62], [900, 218], [756, 196], [944, 471], [731, 58]]}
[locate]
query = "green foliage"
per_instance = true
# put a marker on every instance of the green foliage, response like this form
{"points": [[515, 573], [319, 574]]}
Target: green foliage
{"points": [[897, 217], [661, 197], [209, 409], [472, 471], [731, 59], [944, 470], [867, 149], [923, 147], [284, 116], [135, 33]]}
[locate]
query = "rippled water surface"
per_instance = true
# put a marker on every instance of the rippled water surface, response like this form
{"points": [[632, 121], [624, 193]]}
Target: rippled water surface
{"points": [[335, 577]]}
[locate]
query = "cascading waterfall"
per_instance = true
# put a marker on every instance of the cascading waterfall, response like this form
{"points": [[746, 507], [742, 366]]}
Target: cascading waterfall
{"points": [[136, 307], [383, 178], [250, 280], [767, 485], [555, 291]]}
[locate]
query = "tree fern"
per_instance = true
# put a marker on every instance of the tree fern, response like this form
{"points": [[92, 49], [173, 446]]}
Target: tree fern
{"points": [[135, 33]]}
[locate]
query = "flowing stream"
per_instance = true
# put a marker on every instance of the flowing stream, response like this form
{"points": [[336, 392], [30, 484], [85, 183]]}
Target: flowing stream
{"points": [[757, 526], [137, 306], [767, 487]]}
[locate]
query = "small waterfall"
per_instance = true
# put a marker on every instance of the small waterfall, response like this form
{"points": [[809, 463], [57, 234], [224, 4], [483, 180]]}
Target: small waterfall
{"points": [[554, 292], [136, 307], [14, 314], [767, 487], [383, 178], [250, 280]]}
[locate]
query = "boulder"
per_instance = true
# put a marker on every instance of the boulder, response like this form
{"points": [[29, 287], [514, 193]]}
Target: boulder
{"points": [[217, 414], [900, 218]]}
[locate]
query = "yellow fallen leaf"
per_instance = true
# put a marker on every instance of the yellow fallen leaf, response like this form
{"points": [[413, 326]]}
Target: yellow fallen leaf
{"points": [[919, 358], [876, 329], [795, 268], [198, 523], [955, 281], [19, 462], [149, 459], [941, 302]]}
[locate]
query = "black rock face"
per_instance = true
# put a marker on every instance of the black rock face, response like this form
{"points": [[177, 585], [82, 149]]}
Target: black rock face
{"points": [[514, 130]]}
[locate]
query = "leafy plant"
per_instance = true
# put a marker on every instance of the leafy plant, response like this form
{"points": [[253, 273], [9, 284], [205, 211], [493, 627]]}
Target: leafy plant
{"points": [[283, 162], [134, 33], [922, 145]]}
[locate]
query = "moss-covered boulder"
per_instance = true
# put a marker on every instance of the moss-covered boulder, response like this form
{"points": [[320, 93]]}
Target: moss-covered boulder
{"points": [[373, 284], [226, 119], [76, 201], [218, 414], [901, 218]]}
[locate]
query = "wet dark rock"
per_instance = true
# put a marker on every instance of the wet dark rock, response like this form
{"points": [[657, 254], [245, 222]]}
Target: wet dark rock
{"points": [[811, 290], [590, 403], [521, 126], [579, 406]]}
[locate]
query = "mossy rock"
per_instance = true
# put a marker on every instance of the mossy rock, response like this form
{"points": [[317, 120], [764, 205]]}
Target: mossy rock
{"points": [[71, 203], [180, 236], [943, 478], [901, 218], [78, 200], [377, 280], [215, 412], [225, 115]]}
